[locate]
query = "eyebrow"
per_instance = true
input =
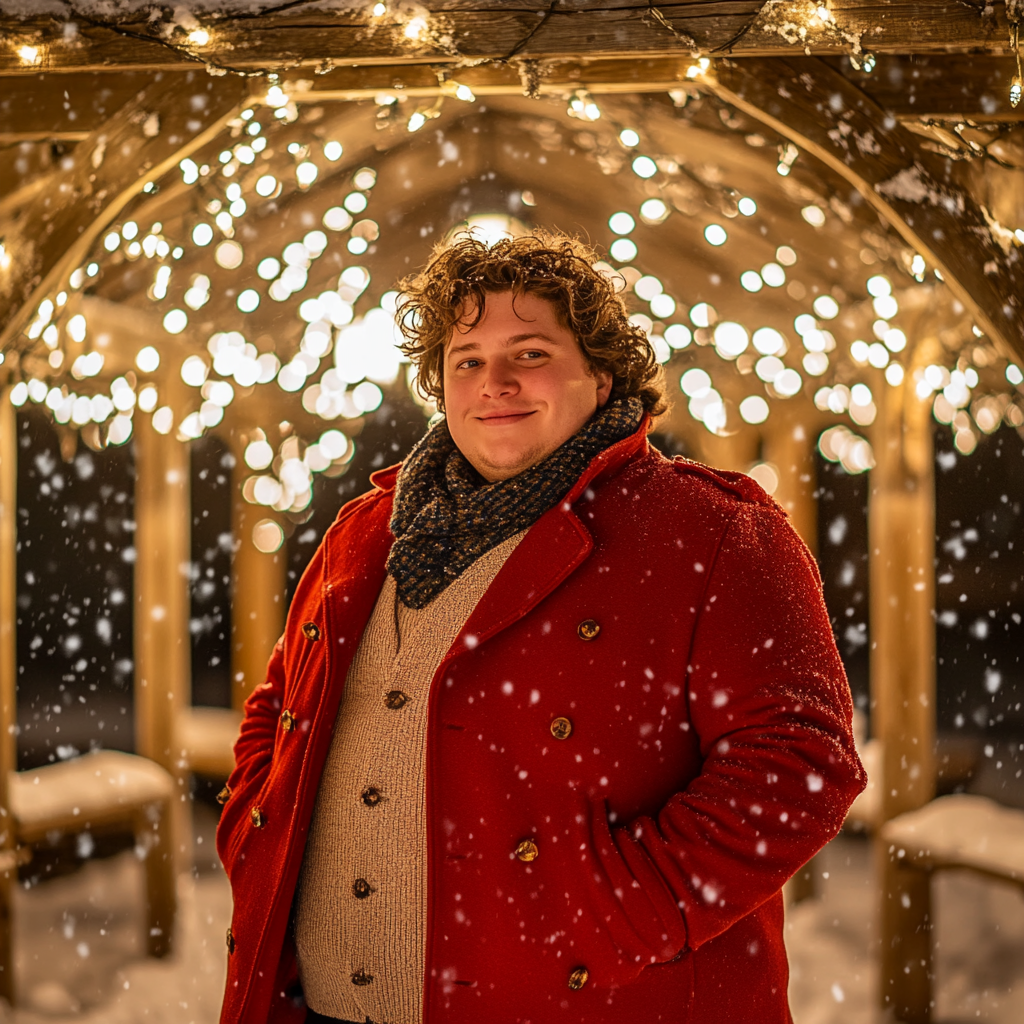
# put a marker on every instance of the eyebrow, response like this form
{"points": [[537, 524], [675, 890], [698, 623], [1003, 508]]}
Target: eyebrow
{"points": [[471, 346]]}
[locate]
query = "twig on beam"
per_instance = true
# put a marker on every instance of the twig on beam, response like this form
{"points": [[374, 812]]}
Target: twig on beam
{"points": [[533, 31], [181, 51], [687, 40]]}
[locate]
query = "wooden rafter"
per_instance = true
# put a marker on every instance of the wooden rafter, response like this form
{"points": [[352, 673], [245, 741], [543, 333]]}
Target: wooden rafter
{"points": [[911, 187], [149, 135], [455, 31], [67, 107]]}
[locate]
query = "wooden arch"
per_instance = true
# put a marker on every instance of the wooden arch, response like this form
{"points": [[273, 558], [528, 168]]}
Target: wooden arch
{"points": [[801, 99]]}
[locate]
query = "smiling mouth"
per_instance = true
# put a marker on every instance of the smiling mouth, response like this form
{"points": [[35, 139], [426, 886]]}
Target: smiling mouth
{"points": [[503, 419]]}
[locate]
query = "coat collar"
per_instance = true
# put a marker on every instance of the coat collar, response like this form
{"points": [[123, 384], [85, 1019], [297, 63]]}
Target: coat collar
{"points": [[554, 547]]}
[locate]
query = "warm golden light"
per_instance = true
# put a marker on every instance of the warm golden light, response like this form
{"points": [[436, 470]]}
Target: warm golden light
{"points": [[29, 54]]}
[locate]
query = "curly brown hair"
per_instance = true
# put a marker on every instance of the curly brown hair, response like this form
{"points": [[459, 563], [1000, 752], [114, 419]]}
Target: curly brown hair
{"points": [[555, 267]]}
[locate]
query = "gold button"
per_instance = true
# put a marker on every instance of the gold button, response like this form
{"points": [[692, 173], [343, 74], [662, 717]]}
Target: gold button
{"points": [[395, 699], [561, 728], [579, 978], [256, 817], [527, 851], [287, 720], [361, 888], [311, 631], [224, 795], [230, 939], [361, 977], [371, 796], [588, 629]]}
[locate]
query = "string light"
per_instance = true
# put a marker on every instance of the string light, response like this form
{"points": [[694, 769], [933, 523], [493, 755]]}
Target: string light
{"points": [[344, 359], [863, 62], [29, 54], [1017, 83], [583, 107]]}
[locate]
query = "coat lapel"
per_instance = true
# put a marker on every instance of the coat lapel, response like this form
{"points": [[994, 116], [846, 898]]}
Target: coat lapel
{"points": [[555, 546], [354, 572]]}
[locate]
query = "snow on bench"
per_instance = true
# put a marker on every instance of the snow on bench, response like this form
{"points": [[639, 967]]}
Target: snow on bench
{"points": [[206, 737], [961, 831], [97, 789]]}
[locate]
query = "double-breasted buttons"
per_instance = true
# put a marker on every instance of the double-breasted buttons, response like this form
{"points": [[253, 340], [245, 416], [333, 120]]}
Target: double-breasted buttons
{"points": [[287, 720], [371, 796], [230, 940], [224, 795], [527, 850], [256, 817], [362, 978], [361, 888], [561, 728], [579, 977], [395, 699], [588, 629], [311, 631]]}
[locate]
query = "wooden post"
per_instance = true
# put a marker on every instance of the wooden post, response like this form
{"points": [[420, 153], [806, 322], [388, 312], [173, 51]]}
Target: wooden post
{"points": [[901, 535], [735, 452], [8, 681], [789, 446], [162, 639], [258, 598]]}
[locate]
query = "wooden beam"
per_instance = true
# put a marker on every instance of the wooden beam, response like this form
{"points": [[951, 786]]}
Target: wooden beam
{"points": [[454, 31], [68, 106], [146, 138], [939, 86], [912, 188], [8, 683]]}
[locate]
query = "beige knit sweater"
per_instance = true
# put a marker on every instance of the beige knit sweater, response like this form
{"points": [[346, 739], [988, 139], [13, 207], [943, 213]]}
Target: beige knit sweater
{"points": [[361, 905]]}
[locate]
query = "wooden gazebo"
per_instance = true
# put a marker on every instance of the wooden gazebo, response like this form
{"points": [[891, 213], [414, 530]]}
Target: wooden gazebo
{"points": [[818, 210]]}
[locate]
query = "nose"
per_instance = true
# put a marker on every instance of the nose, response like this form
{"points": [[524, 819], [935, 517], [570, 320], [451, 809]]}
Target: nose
{"points": [[500, 381]]}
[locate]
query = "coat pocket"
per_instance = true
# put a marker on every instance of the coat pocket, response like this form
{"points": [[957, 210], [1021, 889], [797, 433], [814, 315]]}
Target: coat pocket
{"points": [[632, 905]]}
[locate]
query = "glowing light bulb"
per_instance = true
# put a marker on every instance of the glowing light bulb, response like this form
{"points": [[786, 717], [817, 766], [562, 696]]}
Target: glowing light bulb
{"points": [[1015, 90], [29, 54], [463, 92], [199, 37], [415, 28], [379, 10]]}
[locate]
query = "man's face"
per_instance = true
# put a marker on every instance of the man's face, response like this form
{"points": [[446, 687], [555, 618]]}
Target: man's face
{"points": [[516, 386]]}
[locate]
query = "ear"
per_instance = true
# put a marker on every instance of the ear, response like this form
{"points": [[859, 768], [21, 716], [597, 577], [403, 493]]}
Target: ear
{"points": [[604, 387]]}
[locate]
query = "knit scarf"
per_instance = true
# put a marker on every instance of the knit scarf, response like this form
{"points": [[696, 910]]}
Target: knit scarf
{"points": [[445, 516]]}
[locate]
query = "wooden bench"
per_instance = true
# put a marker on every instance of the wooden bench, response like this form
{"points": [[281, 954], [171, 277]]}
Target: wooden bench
{"points": [[206, 737], [962, 832], [104, 792]]}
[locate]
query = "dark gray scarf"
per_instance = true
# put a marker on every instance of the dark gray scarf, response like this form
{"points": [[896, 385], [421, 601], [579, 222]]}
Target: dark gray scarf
{"points": [[445, 517]]}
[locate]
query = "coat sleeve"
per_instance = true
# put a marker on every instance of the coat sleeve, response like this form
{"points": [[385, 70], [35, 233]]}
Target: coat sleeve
{"points": [[770, 703], [254, 751]]}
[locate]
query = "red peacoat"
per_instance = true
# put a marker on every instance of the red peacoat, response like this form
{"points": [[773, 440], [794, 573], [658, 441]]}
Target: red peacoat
{"points": [[669, 614]]}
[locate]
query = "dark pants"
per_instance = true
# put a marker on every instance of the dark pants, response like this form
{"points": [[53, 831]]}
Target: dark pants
{"points": [[312, 1017]]}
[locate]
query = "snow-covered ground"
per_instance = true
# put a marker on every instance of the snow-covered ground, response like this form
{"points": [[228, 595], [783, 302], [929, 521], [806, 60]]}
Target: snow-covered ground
{"points": [[79, 946]]}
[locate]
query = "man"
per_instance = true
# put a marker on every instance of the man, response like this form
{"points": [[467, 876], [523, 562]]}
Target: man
{"points": [[553, 717]]}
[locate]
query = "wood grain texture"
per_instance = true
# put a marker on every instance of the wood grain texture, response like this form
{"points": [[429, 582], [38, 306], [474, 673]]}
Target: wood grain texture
{"points": [[455, 32], [68, 106], [911, 187]]}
